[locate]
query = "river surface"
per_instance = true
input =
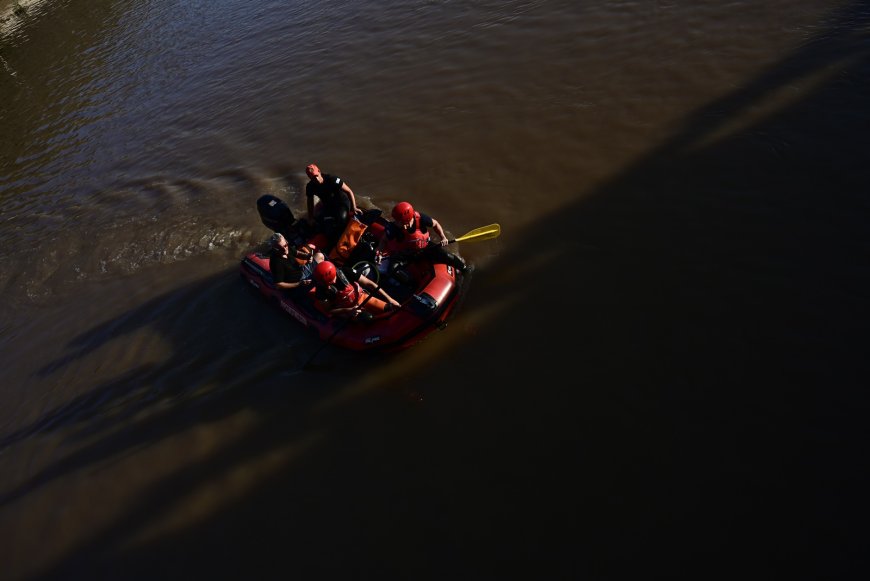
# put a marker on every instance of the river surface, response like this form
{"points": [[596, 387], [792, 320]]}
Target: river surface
{"points": [[659, 367]]}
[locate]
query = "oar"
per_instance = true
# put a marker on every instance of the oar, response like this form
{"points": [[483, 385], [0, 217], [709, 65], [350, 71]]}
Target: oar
{"points": [[482, 233]]}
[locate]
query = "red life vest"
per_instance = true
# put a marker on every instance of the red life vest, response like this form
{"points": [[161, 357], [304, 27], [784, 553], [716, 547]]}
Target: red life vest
{"points": [[410, 241], [342, 293]]}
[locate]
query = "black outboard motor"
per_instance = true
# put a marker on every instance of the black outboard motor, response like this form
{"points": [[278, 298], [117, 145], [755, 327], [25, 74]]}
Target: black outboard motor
{"points": [[275, 214]]}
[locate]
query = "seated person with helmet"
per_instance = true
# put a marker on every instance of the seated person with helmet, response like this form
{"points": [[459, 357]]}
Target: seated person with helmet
{"points": [[407, 237], [339, 292]]}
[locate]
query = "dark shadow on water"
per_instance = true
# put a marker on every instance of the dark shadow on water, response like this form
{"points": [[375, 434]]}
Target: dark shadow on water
{"points": [[691, 402], [258, 354]]}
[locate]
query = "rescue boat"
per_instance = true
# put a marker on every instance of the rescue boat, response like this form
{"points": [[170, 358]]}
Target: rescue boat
{"points": [[428, 292]]}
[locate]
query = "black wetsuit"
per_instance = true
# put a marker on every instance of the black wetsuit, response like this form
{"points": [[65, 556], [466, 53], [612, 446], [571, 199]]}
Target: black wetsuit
{"points": [[335, 209]]}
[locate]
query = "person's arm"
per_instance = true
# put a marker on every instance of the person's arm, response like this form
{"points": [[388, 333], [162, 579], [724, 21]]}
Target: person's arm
{"points": [[346, 189], [371, 286], [304, 253], [289, 285], [294, 274], [440, 231], [346, 311], [279, 273], [326, 306], [311, 209]]}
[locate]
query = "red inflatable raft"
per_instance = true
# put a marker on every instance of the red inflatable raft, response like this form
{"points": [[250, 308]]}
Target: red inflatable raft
{"points": [[427, 292]]}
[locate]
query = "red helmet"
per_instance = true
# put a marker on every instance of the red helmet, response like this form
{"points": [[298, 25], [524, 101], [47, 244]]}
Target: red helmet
{"points": [[324, 273], [312, 170], [403, 212]]}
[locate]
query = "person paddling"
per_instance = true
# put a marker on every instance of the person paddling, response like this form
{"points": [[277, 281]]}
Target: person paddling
{"points": [[408, 236]]}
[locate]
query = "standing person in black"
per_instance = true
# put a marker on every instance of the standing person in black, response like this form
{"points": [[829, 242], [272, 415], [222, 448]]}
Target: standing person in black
{"points": [[287, 273], [337, 202]]}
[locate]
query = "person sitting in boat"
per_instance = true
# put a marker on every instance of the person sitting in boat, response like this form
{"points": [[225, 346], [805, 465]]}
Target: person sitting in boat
{"points": [[285, 262], [407, 237], [339, 292], [337, 203]]}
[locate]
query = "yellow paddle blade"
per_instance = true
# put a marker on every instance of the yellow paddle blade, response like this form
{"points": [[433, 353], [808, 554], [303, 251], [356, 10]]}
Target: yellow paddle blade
{"points": [[482, 233]]}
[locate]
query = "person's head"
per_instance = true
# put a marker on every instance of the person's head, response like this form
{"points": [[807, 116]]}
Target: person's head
{"points": [[324, 273], [403, 213], [312, 171], [279, 242]]}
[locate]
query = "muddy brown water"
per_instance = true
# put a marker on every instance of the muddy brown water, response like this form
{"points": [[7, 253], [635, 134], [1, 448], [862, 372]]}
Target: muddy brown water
{"points": [[659, 365]]}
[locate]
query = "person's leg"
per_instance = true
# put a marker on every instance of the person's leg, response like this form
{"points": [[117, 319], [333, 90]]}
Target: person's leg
{"points": [[438, 255], [332, 229], [341, 215], [374, 306]]}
